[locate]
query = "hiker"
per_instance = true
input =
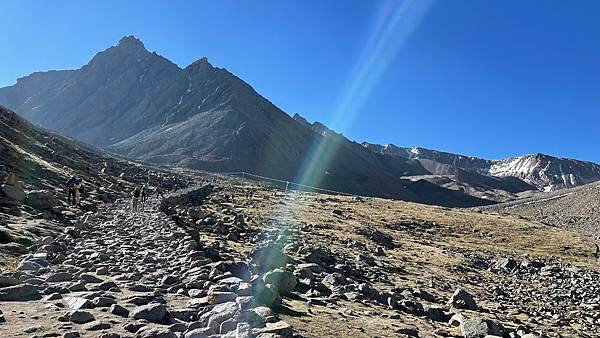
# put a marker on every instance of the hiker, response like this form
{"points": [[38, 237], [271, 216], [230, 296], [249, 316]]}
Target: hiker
{"points": [[78, 187], [176, 187], [135, 198], [144, 192], [159, 192], [71, 190]]}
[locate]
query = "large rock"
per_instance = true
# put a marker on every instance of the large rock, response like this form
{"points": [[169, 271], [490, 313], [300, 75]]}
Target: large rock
{"points": [[480, 328], [41, 199], [77, 303], [269, 258], [59, 277], [153, 312], [462, 299], [13, 193], [19, 293], [218, 297], [285, 281], [196, 333], [8, 281], [81, 317], [334, 279], [219, 314], [266, 294], [150, 332], [118, 310], [280, 328], [96, 326]]}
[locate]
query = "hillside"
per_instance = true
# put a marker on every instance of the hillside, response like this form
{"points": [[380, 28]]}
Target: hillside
{"points": [[576, 209], [141, 105], [228, 257], [35, 164], [547, 173]]}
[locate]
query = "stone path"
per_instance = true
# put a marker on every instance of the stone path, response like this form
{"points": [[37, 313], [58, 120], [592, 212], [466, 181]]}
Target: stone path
{"points": [[123, 274]]}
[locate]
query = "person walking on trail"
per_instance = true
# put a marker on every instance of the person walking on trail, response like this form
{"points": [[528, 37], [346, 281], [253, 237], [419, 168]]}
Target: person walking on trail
{"points": [[78, 191], [144, 192], [71, 190], [135, 198], [159, 192]]}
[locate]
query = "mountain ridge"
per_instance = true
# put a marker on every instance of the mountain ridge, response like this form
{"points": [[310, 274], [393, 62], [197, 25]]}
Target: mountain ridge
{"points": [[141, 105], [524, 167]]}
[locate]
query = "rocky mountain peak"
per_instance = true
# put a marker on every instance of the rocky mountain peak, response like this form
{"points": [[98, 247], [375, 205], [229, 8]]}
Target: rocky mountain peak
{"points": [[130, 42], [200, 64]]}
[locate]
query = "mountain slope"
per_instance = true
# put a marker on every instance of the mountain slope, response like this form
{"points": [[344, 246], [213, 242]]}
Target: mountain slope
{"points": [[141, 105], [573, 208], [548, 172], [545, 172]]}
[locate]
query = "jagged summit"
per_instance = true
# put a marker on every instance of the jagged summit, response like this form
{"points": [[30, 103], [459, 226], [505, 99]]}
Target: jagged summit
{"points": [[130, 41], [544, 171], [143, 106]]}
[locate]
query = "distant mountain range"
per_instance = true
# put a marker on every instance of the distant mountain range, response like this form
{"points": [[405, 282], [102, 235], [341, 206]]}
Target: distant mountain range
{"points": [[139, 104], [545, 172]]}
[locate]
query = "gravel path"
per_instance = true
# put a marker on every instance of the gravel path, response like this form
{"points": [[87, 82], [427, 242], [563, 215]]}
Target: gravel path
{"points": [[124, 274]]}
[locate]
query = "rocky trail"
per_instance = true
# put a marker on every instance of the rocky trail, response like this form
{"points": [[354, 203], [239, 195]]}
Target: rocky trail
{"points": [[122, 273], [226, 259]]}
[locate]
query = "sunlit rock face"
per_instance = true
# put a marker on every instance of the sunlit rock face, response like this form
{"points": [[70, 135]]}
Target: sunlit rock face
{"points": [[141, 105], [544, 172]]}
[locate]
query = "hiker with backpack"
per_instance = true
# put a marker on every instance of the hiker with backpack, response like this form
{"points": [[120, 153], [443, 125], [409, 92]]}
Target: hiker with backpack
{"points": [[144, 192], [159, 192], [78, 187], [135, 198], [71, 190]]}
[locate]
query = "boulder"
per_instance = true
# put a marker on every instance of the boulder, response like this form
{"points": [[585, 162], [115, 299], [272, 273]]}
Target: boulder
{"points": [[269, 258], [8, 281], [59, 277], [285, 281], [18, 292], [334, 279], [118, 310], [89, 278], [41, 199], [462, 299], [153, 312], [196, 333], [81, 317], [280, 328], [218, 297], [480, 328], [149, 332], [266, 294], [13, 193], [505, 264], [96, 326], [77, 303]]}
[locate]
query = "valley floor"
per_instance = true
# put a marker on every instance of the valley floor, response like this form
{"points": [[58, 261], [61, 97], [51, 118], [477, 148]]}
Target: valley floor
{"points": [[362, 267]]}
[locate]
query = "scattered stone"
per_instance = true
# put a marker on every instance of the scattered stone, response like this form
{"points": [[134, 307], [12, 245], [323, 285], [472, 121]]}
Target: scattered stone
{"points": [[80, 317], [96, 326], [77, 303], [18, 293], [153, 312], [461, 299], [118, 310], [285, 281]]}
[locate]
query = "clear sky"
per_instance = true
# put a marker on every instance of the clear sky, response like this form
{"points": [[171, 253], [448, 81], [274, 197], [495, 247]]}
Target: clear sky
{"points": [[484, 78]]}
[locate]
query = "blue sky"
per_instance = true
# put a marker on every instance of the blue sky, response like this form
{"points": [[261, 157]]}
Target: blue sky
{"points": [[484, 78]]}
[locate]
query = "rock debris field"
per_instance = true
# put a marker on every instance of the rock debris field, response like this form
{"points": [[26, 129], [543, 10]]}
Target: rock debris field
{"points": [[232, 260], [129, 274]]}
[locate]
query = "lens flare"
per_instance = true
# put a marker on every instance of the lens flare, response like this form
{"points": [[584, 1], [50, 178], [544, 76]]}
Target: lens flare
{"points": [[395, 23]]}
